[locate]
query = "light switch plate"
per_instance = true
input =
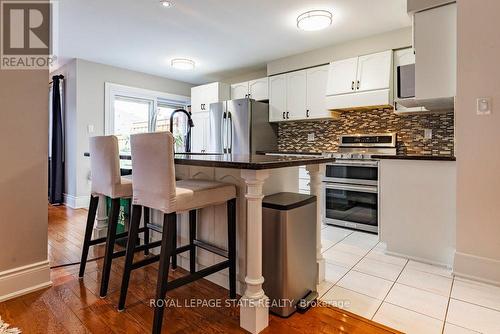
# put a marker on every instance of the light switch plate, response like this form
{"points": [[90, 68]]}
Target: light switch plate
{"points": [[310, 136], [90, 128], [483, 106]]}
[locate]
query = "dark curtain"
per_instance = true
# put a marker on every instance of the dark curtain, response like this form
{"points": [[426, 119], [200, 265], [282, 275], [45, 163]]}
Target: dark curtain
{"points": [[56, 156]]}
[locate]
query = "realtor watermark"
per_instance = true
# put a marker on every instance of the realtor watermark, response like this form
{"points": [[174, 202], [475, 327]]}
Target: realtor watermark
{"points": [[243, 302], [26, 34]]}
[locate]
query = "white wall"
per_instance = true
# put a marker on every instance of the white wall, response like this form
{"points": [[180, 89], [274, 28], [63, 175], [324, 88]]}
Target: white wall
{"points": [[85, 106], [24, 122], [478, 139], [396, 39]]}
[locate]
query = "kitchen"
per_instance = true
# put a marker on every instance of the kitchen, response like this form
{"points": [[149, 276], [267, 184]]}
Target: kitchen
{"points": [[349, 139]]}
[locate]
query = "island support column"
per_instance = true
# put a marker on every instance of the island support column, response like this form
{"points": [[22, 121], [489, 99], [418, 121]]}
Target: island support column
{"points": [[254, 310], [101, 226], [316, 173]]}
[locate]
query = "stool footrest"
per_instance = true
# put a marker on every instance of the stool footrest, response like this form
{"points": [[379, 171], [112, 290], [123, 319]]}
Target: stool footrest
{"points": [[197, 275], [211, 248], [119, 236]]}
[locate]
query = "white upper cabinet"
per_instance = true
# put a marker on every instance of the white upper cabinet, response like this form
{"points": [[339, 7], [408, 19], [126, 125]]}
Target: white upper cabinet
{"points": [[203, 96], [258, 89], [277, 98], [360, 82], [299, 95], [254, 89], [435, 44], [296, 95], [374, 71], [317, 78], [342, 77], [239, 90]]}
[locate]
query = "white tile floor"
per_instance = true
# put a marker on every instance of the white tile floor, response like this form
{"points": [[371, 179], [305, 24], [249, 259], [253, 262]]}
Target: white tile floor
{"points": [[407, 295]]}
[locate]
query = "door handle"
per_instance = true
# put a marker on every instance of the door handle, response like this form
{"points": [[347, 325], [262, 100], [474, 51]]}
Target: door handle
{"points": [[352, 85], [287, 115], [230, 131], [357, 86], [223, 132], [284, 115], [307, 113]]}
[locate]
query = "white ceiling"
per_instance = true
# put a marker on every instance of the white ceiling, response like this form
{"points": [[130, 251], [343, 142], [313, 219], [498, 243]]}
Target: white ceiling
{"points": [[225, 37]]}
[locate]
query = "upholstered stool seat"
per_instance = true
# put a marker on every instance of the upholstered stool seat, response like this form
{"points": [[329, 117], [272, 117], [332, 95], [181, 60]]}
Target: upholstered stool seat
{"points": [[155, 186], [106, 181]]}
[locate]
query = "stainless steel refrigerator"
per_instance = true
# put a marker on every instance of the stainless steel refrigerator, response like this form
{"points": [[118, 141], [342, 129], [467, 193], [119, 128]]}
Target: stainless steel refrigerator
{"points": [[241, 127]]}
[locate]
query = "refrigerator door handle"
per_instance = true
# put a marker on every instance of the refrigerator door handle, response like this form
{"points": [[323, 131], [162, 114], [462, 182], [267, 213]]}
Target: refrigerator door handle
{"points": [[230, 132], [223, 132]]}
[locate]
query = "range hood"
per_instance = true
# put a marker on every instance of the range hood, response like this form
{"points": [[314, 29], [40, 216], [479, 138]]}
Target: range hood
{"points": [[434, 104]]}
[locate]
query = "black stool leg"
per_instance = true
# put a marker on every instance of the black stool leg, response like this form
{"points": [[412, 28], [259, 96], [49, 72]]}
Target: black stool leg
{"points": [[110, 245], [167, 249], [231, 236], [192, 237], [129, 255], [94, 201], [174, 255], [146, 231]]}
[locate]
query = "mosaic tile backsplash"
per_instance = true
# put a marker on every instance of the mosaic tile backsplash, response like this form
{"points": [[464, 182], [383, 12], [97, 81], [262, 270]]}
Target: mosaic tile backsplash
{"points": [[292, 136]]}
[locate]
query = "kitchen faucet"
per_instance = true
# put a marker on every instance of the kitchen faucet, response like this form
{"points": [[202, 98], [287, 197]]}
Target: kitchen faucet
{"points": [[190, 125]]}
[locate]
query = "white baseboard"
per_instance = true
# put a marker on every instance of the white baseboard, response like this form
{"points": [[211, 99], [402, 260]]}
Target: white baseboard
{"points": [[76, 202], [477, 268], [23, 280], [419, 259]]}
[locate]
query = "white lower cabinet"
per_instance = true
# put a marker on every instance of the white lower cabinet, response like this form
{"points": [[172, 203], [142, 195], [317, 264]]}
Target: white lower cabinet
{"points": [[200, 133]]}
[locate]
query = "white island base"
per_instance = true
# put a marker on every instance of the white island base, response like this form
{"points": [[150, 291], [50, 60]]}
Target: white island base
{"points": [[252, 186]]}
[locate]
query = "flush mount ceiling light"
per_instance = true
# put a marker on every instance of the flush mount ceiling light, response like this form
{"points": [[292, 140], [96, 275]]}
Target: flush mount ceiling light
{"points": [[183, 64], [314, 20], [166, 3]]}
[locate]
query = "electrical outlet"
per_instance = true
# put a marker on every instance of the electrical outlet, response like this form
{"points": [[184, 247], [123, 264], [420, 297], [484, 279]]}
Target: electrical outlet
{"points": [[310, 136], [483, 106], [428, 133]]}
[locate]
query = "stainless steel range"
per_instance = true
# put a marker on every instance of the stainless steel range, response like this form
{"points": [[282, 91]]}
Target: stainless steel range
{"points": [[351, 182]]}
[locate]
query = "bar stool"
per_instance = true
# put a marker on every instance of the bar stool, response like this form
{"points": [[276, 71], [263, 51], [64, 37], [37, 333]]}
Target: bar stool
{"points": [[106, 181], [154, 183]]}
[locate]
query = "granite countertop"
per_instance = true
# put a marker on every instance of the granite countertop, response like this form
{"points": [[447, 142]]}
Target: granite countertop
{"points": [[415, 157], [253, 161], [290, 152]]}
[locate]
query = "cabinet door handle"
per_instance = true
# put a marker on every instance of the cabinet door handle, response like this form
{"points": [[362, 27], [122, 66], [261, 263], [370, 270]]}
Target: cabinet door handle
{"points": [[307, 113], [352, 85], [287, 115], [357, 86], [202, 106], [284, 115]]}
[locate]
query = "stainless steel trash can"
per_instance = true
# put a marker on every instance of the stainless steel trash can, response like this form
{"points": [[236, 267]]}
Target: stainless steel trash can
{"points": [[289, 249]]}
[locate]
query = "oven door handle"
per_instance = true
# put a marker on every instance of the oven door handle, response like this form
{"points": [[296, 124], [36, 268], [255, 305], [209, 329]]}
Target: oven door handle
{"points": [[353, 164], [359, 188]]}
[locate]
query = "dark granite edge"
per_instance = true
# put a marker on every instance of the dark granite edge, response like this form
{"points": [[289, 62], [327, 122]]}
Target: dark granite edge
{"points": [[253, 165], [288, 152], [415, 157]]}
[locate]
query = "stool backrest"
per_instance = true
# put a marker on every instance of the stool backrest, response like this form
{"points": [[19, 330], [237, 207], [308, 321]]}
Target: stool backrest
{"points": [[153, 170], [104, 165]]}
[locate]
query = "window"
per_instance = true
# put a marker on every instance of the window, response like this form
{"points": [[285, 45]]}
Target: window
{"points": [[131, 110]]}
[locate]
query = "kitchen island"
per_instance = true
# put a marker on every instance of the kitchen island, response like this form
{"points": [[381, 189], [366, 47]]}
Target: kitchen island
{"points": [[254, 176]]}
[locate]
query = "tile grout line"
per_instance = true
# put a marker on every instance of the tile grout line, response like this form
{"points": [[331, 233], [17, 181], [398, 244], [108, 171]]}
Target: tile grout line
{"points": [[448, 305], [392, 286], [351, 268]]}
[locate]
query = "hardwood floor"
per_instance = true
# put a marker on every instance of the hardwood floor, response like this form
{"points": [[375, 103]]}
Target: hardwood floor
{"points": [[73, 306]]}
